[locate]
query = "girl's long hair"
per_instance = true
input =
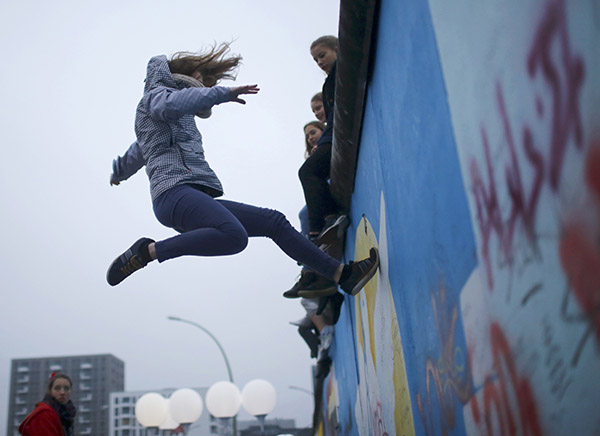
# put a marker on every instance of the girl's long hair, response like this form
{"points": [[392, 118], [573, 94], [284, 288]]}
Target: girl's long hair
{"points": [[214, 65], [319, 125]]}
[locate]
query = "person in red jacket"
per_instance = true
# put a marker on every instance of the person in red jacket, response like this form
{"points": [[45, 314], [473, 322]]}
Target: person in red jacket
{"points": [[55, 414]]}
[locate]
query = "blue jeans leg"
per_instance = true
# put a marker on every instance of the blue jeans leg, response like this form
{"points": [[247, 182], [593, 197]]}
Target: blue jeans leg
{"points": [[218, 227]]}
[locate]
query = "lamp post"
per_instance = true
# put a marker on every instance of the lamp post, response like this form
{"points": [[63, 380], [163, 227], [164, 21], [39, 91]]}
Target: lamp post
{"points": [[205, 330]]}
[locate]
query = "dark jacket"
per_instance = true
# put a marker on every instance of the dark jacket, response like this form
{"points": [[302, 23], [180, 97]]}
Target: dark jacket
{"points": [[328, 102]]}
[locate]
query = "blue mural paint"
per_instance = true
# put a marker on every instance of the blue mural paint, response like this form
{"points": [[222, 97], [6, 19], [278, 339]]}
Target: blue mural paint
{"points": [[408, 152]]}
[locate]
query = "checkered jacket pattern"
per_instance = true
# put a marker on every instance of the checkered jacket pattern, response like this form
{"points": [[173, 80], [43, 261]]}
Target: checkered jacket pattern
{"points": [[168, 141]]}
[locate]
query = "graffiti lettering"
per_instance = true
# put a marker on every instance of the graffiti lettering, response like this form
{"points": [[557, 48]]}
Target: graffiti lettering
{"points": [[565, 117], [509, 407], [565, 79], [449, 375]]}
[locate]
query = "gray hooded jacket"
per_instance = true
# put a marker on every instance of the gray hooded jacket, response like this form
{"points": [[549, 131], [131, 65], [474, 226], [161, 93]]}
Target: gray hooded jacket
{"points": [[168, 141]]}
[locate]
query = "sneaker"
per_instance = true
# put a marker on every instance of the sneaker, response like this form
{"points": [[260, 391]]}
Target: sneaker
{"points": [[319, 287], [128, 262], [362, 272], [306, 277], [334, 229]]}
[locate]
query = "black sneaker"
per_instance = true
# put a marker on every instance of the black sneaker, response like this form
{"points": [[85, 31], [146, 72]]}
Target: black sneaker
{"points": [[362, 272], [128, 262], [306, 277], [334, 229], [319, 287]]}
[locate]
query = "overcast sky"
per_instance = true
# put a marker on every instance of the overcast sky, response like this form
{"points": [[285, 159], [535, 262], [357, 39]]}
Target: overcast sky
{"points": [[72, 76]]}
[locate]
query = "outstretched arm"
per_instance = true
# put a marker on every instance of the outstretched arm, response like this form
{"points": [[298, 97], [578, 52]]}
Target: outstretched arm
{"points": [[125, 166], [168, 104]]}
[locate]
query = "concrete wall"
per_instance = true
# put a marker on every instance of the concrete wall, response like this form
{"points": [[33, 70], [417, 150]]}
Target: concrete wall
{"points": [[478, 178]]}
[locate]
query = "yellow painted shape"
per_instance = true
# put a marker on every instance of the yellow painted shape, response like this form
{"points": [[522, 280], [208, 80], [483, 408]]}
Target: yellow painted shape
{"points": [[365, 239], [403, 416]]}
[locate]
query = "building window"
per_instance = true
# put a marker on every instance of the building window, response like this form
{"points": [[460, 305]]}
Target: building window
{"points": [[22, 369], [55, 367]]}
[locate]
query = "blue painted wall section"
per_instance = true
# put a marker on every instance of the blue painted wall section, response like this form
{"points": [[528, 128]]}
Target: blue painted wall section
{"points": [[478, 178], [408, 153]]}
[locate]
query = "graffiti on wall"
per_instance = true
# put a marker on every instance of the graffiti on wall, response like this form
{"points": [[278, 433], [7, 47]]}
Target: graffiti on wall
{"points": [[531, 163], [448, 377], [563, 72]]}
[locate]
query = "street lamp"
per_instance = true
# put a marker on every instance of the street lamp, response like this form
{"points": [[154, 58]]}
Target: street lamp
{"points": [[174, 318], [213, 337]]}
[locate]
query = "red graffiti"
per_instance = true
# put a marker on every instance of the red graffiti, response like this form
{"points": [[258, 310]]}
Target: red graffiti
{"points": [[580, 254], [565, 118], [565, 78], [523, 205], [509, 407]]}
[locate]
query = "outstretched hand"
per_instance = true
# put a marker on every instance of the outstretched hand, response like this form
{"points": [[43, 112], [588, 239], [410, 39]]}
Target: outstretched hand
{"points": [[236, 91]]}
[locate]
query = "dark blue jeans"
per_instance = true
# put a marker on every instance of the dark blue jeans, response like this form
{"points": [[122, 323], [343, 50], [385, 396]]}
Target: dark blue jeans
{"points": [[210, 227], [314, 176]]}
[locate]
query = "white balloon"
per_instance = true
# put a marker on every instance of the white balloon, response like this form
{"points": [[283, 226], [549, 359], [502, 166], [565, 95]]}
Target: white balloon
{"points": [[169, 424], [223, 400], [259, 397], [151, 409], [185, 405]]}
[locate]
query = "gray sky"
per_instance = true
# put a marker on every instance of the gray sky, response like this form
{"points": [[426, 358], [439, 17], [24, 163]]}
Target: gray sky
{"points": [[71, 78]]}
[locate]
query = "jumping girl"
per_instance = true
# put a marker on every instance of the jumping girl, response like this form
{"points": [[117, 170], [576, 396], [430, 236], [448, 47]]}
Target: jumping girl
{"points": [[183, 186]]}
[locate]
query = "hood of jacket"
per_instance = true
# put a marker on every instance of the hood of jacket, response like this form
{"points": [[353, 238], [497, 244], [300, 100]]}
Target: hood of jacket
{"points": [[158, 74]]}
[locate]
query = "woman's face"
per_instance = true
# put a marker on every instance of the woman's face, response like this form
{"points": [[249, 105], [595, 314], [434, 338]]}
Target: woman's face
{"points": [[318, 110], [61, 390], [324, 56], [312, 135]]}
